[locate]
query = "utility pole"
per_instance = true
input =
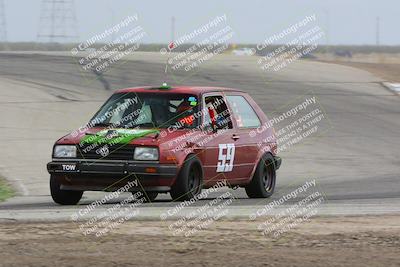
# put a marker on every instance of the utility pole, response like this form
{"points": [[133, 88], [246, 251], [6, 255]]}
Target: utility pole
{"points": [[110, 7], [172, 29], [3, 25], [378, 31], [57, 21], [327, 30]]}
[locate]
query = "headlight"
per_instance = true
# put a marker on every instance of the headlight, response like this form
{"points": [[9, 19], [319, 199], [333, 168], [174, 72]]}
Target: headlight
{"points": [[62, 151], [146, 153]]}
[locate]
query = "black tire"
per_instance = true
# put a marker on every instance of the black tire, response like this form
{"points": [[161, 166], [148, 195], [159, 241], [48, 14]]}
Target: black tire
{"points": [[63, 197], [189, 181], [150, 196], [263, 183]]}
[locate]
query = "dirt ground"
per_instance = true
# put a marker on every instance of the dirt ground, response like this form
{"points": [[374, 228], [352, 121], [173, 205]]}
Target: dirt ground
{"points": [[388, 71], [329, 241], [383, 65]]}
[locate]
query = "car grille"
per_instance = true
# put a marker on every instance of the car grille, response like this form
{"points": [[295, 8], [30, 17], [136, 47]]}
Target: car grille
{"points": [[110, 152]]}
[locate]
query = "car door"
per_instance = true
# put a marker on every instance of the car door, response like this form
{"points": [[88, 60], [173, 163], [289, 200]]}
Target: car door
{"points": [[219, 143], [246, 120]]}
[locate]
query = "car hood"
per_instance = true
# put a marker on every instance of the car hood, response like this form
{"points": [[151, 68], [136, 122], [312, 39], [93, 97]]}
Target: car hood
{"points": [[101, 135]]}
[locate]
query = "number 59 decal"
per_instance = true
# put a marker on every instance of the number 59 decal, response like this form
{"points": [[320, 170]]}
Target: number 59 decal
{"points": [[226, 157]]}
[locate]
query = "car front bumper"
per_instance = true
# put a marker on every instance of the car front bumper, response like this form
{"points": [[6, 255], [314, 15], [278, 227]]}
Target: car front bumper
{"points": [[110, 175]]}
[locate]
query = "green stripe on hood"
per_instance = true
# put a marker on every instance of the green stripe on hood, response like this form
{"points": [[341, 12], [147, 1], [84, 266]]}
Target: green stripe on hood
{"points": [[115, 136]]}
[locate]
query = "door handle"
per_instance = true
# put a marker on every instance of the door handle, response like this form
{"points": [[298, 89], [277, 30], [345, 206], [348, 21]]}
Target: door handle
{"points": [[235, 137]]}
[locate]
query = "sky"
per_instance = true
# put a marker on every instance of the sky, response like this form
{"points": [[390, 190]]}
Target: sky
{"points": [[348, 22]]}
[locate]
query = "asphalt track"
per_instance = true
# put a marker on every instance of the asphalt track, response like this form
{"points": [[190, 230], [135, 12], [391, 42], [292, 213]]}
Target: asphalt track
{"points": [[355, 162]]}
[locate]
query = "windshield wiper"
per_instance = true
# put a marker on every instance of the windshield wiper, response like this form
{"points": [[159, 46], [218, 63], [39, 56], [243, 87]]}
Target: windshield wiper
{"points": [[101, 124], [147, 124]]}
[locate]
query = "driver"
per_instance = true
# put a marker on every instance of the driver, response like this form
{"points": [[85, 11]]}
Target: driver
{"points": [[185, 109]]}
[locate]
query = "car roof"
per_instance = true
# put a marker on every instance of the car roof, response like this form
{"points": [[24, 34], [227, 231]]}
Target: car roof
{"points": [[178, 89]]}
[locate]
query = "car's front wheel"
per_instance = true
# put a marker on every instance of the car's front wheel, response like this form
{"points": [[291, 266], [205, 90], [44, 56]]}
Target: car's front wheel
{"points": [[188, 182], [63, 197], [263, 183]]}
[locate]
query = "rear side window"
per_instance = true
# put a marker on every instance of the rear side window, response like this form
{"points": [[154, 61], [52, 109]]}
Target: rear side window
{"points": [[243, 113]]}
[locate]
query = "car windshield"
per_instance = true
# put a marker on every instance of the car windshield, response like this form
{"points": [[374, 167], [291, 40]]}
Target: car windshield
{"points": [[148, 110]]}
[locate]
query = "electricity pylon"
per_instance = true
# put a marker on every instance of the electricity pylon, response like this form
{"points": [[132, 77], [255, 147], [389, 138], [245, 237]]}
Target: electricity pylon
{"points": [[57, 21]]}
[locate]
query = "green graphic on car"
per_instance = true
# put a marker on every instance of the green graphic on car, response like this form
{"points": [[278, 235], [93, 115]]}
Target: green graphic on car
{"points": [[116, 136]]}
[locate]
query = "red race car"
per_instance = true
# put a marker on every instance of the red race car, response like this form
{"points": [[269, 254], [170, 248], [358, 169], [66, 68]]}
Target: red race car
{"points": [[168, 139]]}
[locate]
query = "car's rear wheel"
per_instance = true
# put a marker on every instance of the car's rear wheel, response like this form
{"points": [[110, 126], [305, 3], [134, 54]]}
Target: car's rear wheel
{"points": [[263, 183], [188, 182], [63, 197]]}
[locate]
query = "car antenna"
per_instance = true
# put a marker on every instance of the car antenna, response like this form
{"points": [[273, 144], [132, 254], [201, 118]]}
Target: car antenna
{"points": [[171, 45]]}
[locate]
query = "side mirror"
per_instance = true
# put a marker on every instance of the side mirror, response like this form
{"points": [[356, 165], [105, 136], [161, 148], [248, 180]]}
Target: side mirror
{"points": [[208, 128], [215, 128]]}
